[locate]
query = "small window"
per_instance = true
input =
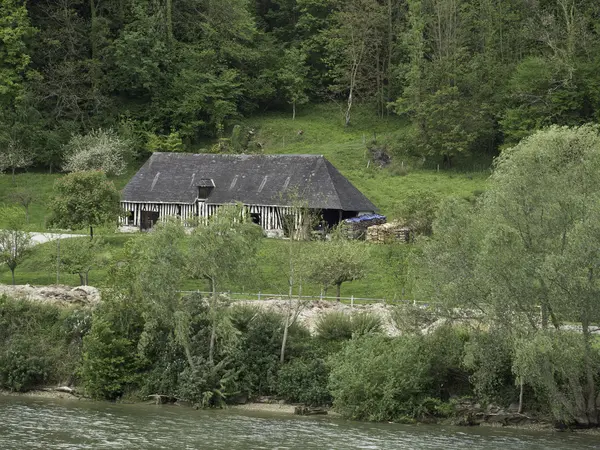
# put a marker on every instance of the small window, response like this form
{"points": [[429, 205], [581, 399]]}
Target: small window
{"points": [[204, 192], [205, 187], [255, 217]]}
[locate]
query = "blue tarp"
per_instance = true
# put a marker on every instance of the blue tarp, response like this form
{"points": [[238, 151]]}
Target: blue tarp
{"points": [[365, 218]]}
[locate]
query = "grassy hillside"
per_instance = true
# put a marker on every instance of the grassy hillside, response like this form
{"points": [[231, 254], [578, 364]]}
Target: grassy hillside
{"points": [[322, 133], [40, 185]]}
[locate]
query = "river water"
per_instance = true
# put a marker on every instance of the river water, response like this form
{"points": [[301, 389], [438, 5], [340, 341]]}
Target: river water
{"points": [[28, 423]]}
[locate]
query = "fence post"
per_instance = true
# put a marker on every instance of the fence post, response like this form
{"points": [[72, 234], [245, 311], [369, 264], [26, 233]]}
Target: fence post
{"points": [[352, 302], [321, 298], [258, 295]]}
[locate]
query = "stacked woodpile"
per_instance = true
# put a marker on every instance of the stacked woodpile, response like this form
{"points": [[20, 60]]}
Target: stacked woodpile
{"points": [[356, 227], [388, 232]]}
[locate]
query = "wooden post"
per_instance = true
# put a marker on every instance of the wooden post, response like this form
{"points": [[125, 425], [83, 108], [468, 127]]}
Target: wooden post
{"points": [[352, 301], [258, 295]]}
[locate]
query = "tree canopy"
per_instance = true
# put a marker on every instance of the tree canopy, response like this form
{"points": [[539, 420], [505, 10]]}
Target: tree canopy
{"points": [[84, 199], [526, 258], [471, 76]]}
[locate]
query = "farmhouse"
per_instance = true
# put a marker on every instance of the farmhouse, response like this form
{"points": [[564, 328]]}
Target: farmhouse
{"points": [[269, 186]]}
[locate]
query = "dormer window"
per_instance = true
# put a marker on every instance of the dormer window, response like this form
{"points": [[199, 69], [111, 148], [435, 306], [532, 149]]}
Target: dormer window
{"points": [[205, 187]]}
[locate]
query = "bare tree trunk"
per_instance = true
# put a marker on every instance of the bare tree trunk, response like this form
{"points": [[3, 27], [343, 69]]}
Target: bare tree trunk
{"points": [[27, 214], [285, 336], [213, 329], [12, 271], [521, 387], [169, 16], [591, 407], [293, 110], [91, 232], [338, 288]]}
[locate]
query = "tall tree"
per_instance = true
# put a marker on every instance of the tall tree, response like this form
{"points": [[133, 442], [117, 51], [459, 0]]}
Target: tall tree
{"points": [[219, 252], [530, 248], [15, 242], [15, 31], [84, 199]]}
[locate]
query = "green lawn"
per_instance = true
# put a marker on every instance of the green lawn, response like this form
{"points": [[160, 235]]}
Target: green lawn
{"points": [[381, 281], [41, 185]]}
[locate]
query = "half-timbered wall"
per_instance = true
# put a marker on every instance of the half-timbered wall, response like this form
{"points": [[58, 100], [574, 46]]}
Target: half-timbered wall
{"points": [[270, 217]]}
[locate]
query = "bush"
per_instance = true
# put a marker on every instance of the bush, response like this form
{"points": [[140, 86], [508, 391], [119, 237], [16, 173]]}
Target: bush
{"points": [[377, 378], [380, 378], [98, 150], [208, 385], [418, 210], [305, 381], [109, 364], [366, 323], [257, 355], [334, 326], [20, 370], [39, 343], [489, 357]]}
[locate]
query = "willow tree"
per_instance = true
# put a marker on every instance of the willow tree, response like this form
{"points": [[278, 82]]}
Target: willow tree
{"points": [[221, 252], [527, 257]]}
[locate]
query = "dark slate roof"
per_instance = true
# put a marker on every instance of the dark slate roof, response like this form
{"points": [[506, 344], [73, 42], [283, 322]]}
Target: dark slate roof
{"points": [[249, 179]]}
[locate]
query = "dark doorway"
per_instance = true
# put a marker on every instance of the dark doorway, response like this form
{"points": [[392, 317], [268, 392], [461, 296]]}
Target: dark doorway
{"points": [[255, 217], [331, 217], [147, 219]]}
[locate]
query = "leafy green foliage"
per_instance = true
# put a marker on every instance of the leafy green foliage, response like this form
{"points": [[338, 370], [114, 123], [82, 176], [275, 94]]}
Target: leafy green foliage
{"points": [[378, 378], [78, 256], [84, 199], [305, 381], [337, 262], [334, 326], [418, 211], [40, 343], [108, 362], [522, 254]]}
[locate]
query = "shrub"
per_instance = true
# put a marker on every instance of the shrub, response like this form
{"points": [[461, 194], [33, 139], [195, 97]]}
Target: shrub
{"points": [[366, 323], [378, 378], [109, 364], [489, 358], [39, 343], [334, 326], [305, 381], [20, 370], [418, 211], [257, 354]]}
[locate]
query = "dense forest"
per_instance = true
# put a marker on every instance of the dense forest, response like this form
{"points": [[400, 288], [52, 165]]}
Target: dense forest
{"points": [[472, 76]]}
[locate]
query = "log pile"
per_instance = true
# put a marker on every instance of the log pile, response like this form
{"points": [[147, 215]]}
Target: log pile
{"points": [[388, 232], [356, 227]]}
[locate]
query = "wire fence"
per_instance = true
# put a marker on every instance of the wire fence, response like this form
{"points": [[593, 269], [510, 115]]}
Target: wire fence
{"points": [[245, 296]]}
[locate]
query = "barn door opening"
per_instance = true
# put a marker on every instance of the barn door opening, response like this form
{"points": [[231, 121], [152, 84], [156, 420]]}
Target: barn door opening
{"points": [[148, 219]]}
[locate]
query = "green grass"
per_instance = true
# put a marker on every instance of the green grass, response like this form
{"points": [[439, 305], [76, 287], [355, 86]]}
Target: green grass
{"points": [[381, 281], [41, 186], [323, 132]]}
